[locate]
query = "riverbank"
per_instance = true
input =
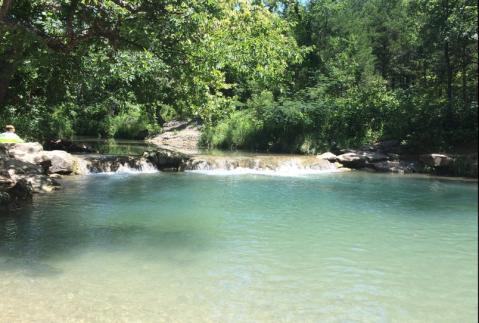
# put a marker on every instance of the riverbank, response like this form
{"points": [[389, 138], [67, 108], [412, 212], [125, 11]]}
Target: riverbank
{"points": [[182, 137], [26, 169]]}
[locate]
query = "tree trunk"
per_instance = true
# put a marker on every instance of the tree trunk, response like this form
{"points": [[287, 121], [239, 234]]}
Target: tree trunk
{"points": [[449, 84], [464, 72], [159, 118], [7, 5], [8, 64]]}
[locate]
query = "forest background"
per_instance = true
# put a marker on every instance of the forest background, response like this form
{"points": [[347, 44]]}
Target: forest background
{"points": [[282, 76]]}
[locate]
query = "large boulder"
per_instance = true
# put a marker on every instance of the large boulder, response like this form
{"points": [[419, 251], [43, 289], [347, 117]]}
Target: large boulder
{"points": [[16, 196], [328, 156], [352, 160], [343, 151], [435, 160], [4, 152], [164, 158], [369, 148], [55, 162], [61, 162], [18, 170], [392, 167], [22, 149], [20, 167], [373, 156]]}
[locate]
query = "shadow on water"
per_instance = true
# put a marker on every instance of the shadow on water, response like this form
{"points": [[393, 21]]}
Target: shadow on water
{"points": [[155, 218], [32, 247]]}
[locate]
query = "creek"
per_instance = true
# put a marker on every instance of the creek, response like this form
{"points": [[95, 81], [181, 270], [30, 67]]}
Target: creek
{"points": [[219, 246]]}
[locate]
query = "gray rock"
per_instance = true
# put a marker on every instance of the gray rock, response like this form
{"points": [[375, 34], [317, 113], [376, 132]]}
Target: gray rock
{"points": [[369, 148], [343, 151], [392, 167], [164, 158], [62, 162], [4, 152], [19, 167], [393, 157], [352, 160], [38, 183], [18, 195], [373, 157], [328, 156], [22, 149], [435, 160]]}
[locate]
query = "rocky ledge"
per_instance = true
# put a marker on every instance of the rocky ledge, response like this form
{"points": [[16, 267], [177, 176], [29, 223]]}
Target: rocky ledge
{"points": [[27, 169], [180, 136], [386, 156], [389, 156]]}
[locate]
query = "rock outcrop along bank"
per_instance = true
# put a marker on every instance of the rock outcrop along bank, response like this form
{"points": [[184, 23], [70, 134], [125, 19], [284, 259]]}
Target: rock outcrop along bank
{"points": [[26, 169]]}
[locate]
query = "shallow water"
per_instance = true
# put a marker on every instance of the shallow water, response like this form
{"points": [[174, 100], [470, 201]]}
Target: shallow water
{"points": [[186, 247], [128, 147]]}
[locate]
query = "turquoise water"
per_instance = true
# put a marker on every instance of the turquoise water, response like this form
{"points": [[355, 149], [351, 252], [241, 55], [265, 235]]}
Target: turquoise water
{"points": [[187, 247]]}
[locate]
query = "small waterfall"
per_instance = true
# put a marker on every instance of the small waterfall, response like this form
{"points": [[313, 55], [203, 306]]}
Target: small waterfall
{"points": [[114, 164], [272, 165]]}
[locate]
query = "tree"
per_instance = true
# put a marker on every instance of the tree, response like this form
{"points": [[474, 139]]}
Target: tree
{"points": [[449, 31], [189, 43]]}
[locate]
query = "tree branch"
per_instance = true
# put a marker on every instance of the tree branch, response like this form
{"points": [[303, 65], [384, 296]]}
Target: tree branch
{"points": [[69, 19], [125, 5]]}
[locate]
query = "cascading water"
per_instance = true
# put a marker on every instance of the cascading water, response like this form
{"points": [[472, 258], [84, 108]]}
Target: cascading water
{"points": [[268, 165], [114, 164]]}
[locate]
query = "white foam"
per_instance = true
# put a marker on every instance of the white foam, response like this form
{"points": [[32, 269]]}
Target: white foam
{"points": [[143, 167]]}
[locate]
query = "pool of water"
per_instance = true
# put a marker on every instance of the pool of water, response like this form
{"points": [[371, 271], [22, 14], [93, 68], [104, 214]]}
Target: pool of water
{"points": [[187, 247], [138, 147]]}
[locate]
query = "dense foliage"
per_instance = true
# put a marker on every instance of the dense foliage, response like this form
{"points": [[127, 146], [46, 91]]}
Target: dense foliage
{"points": [[270, 75]]}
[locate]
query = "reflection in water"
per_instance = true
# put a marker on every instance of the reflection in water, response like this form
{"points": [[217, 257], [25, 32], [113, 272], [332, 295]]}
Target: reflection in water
{"points": [[184, 247], [138, 147]]}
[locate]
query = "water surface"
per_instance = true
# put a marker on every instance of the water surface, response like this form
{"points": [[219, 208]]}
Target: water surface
{"points": [[187, 247]]}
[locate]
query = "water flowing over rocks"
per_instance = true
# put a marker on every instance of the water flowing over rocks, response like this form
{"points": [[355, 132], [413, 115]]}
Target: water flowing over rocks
{"points": [[166, 159], [25, 169], [257, 163], [113, 164]]}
